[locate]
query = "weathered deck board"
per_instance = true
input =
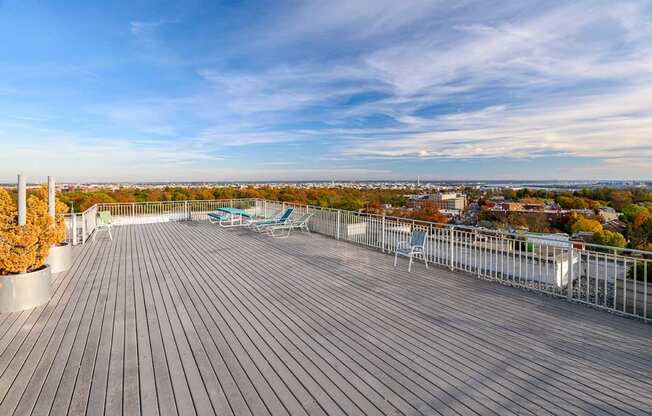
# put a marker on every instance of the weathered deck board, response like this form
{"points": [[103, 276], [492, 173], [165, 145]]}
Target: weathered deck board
{"points": [[189, 319]]}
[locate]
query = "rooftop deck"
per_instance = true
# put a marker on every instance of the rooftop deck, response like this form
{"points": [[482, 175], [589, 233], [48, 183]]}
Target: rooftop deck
{"points": [[187, 318]]}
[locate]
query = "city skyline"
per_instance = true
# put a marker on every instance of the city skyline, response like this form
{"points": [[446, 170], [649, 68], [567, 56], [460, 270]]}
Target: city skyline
{"points": [[369, 90]]}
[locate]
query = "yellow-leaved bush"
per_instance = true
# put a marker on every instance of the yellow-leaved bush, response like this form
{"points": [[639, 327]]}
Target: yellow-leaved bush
{"points": [[25, 248], [60, 210]]}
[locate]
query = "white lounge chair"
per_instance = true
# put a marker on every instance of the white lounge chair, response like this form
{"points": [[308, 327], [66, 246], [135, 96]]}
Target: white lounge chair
{"points": [[300, 223]]}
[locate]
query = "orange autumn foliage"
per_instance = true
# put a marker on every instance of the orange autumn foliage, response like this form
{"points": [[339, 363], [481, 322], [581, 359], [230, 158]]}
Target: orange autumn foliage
{"points": [[24, 248], [60, 210]]}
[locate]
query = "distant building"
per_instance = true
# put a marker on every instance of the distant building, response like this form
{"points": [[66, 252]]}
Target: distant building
{"points": [[616, 225], [512, 206], [609, 214], [534, 206], [547, 239], [449, 201]]}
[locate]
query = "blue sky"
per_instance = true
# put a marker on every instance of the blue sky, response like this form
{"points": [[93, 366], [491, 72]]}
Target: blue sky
{"points": [[365, 89]]}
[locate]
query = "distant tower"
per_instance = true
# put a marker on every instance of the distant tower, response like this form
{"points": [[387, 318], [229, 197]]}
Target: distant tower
{"points": [[418, 181]]}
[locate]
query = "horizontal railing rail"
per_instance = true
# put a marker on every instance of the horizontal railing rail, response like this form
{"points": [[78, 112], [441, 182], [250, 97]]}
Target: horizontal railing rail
{"points": [[80, 226], [614, 279]]}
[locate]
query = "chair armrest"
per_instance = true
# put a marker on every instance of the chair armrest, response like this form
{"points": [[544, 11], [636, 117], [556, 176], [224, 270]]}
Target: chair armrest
{"points": [[402, 244]]}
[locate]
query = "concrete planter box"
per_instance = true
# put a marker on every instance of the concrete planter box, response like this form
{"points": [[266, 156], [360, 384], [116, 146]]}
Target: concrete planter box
{"points": [[60, 258], [25, 291]]}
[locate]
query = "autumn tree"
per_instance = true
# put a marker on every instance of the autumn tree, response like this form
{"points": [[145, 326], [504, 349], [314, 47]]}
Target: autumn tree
{"points": [[584, 224], [608, 238]]}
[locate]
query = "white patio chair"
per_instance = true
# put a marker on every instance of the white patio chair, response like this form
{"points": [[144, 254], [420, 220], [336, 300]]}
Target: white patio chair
{"points": [[104, 223], [416, 246]]}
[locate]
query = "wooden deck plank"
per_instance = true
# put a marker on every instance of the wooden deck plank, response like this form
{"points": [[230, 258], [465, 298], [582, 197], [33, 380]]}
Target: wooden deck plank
{"points": [[166, 400], [131, 403], [52, 362], [233, 270], [97, 395], [182, 331], [80, 397], [313, 403], [209, 361], [244, 349], [369, 362], [293, 288], [420, 293], [350, 295], [187, 318], [35, 348], [114, 390], [59, 404]]}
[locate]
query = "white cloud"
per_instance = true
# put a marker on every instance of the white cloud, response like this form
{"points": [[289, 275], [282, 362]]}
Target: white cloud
{"points": [[616, 126]]}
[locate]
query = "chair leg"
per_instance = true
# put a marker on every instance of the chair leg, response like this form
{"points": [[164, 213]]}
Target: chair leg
{"points": [[425, 260], [110, 236], [410, 265]]}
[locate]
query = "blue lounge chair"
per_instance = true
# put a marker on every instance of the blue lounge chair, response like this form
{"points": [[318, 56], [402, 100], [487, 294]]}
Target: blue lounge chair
{"points": [[282, 219], [416, 246], [275, 216]]}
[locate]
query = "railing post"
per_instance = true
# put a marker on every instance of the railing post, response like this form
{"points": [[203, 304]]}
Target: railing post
{"points": [[186, 210], [133, 212], [74, 229], [569, 293], [22, 200], [382, 230], [264, 208], [83, 217], [52, 198], [337, 232], [451, 262]]}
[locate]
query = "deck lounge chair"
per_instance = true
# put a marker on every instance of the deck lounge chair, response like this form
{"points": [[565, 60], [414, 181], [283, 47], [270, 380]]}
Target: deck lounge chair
{"points": [[275, 216], [262, 225], [301, 223], [104, 223], [416, 246]]}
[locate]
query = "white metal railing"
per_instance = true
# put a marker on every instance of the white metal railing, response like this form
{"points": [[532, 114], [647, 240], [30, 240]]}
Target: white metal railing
{"points": [[80, 226], [618, 280]]}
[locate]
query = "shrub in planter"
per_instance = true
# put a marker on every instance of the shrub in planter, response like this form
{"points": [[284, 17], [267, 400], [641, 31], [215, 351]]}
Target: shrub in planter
{"points": [[24, 249], [60, 210]]}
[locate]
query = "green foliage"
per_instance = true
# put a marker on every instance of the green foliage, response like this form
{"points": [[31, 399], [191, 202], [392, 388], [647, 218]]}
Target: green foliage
{"points": [[639, 271], [585, 224], [640, 231], [631, 211], [609, 238]]}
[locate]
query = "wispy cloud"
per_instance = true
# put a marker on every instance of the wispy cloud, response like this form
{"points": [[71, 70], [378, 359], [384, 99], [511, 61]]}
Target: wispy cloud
{"points": [[359, 82]]}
